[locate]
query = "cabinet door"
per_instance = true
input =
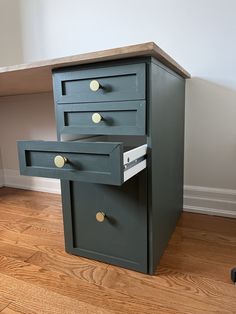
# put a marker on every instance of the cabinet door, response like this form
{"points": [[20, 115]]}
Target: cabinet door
{"points": [[121, 238]]}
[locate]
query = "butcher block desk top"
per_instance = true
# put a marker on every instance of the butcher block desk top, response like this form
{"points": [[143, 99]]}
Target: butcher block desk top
{"points": [[36, 77]]}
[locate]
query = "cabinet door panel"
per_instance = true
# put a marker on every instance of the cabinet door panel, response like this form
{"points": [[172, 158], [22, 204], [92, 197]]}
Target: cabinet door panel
{"points": [[121, 239], [116, 83]]}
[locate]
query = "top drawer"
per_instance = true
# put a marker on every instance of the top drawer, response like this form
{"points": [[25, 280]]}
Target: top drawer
{"points": [[99, 84]]}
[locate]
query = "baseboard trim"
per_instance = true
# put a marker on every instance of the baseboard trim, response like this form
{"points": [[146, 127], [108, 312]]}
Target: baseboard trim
{"points": [[210, 201], [210, 211], [197, 199], [12, 178], [1, 178]]}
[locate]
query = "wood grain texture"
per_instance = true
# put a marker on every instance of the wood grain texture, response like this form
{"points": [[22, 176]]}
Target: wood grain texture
{"points": [[37, 276], [3, 303], [25, 298], [36, 77]]}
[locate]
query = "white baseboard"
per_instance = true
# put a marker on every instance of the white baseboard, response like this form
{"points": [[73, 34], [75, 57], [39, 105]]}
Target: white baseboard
{"points": [[197, 199], [12, 178], [1, 178], [211, 201]]}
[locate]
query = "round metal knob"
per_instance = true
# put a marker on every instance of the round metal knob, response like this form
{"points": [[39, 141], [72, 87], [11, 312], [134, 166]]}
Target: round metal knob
{"points": [[94, 85], [96, 118], [100, 216], [60, 161]]}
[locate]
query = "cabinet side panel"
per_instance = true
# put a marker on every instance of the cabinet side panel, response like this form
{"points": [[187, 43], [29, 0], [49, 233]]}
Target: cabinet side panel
{"points": [[165, 158]]}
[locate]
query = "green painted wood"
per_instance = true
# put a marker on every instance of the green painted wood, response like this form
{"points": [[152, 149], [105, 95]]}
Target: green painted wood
{"points": [[118, 83], [119, 118], [87, 161], [165, 158], [122, 238], [148, 205]]}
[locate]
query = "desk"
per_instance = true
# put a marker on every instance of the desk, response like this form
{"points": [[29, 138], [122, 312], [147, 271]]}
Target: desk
{"points": [[136, 202], [36, 77]]}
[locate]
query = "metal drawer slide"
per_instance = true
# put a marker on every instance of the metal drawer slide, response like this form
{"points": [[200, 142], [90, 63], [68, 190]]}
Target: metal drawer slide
{"points": [[134, 161]]}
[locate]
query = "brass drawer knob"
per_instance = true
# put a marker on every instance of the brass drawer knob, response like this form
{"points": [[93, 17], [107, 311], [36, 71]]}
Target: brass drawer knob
{"points": [[60, 161], [96, 118], [100, 216], [94, 85]]}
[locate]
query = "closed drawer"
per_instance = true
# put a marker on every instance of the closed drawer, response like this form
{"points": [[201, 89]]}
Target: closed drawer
{"points": [[100, 84], [119, 235], [99, 162], [115, 118]]}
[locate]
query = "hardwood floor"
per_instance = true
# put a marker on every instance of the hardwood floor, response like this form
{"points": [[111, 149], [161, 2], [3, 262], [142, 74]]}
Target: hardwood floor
{"points": [[37, 276]]}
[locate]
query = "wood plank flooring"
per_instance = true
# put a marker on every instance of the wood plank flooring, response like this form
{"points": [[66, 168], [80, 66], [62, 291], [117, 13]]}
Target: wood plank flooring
{"points": [[37, 276]]}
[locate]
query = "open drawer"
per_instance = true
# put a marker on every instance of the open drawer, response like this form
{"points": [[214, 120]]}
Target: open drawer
{"points": [[95, 162]]}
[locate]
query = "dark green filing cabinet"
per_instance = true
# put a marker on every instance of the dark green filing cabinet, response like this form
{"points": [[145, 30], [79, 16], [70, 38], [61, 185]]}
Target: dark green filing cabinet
{"points": [[119, 156]]}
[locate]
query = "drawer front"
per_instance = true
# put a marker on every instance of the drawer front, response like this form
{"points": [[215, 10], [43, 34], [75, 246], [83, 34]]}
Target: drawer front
{"points": [[88, 162], [117, 118], [121, 238], [114, 83]]}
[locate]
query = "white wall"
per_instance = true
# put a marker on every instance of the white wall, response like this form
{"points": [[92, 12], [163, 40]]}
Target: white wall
{"points": [[1, 171], [10, 41], [28, 117], [200, 35], [10, 32], [25, 117]]}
